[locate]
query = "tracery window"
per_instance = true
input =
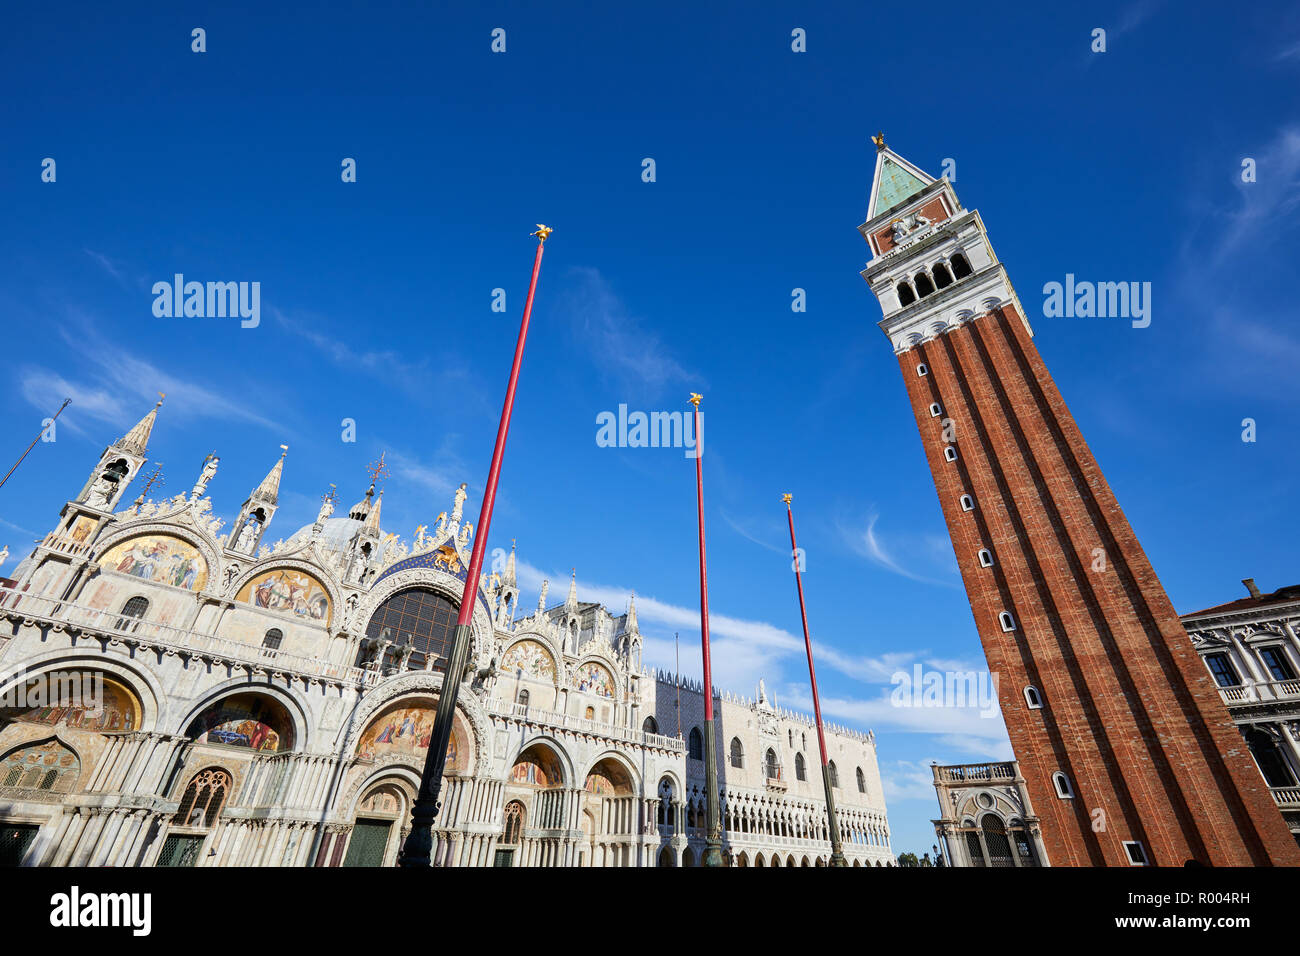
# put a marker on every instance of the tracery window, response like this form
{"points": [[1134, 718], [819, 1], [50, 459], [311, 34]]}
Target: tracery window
{"points": [[737, 754], [514, 823], [204, 799], [800, 769], [695, 745]]}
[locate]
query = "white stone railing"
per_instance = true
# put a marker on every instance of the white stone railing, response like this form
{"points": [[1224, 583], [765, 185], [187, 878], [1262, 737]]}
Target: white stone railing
{"points": [[1258, 691], [117, 626], [551, 718], [1288, 797], [965, 773]]}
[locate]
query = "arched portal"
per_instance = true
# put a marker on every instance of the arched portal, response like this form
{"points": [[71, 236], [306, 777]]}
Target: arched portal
{"points": [[536, 783], [611, 800]]}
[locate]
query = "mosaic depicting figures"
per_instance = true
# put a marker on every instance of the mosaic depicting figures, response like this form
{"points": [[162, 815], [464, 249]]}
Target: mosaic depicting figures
{"points": [[529, 659], [593, 679], [115, 711], [405, 730], [290, 592], [245, 720], [158, 558]]}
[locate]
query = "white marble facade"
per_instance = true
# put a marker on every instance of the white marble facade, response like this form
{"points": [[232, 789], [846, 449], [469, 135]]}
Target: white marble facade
{"points": [[260, 704]]}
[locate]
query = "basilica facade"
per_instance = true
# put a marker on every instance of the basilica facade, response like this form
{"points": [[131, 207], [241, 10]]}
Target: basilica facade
{"points": [[181, 692]]}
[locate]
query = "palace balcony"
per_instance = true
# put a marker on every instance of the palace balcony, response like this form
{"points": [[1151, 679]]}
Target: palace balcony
{"points": [[1261, 691]]}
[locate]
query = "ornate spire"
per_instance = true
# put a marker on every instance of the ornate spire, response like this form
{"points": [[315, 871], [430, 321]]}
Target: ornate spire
{"points": [[571, 602], [508, 579], [895, 181], [631, 627], [136, 441], [541, 601], [269, 489], [372, 519]]}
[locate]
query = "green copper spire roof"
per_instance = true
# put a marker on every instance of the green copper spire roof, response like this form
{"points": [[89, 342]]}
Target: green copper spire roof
{"points": [[896, 181], [896, 184]]}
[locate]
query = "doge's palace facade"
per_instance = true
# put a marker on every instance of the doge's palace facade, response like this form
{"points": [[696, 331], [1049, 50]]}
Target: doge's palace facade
{"points": [[259, 704]]}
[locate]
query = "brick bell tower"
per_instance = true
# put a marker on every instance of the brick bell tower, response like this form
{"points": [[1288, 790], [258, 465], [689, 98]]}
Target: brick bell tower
{"points": [[1128, 752]]}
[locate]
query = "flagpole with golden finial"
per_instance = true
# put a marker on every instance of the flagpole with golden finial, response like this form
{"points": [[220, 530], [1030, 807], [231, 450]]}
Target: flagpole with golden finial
{"points": [[418, 849], [837, 848], [713, 838]]}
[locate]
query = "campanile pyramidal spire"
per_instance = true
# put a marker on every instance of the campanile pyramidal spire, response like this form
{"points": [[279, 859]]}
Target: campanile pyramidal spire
{"points": [[1126, 747]]}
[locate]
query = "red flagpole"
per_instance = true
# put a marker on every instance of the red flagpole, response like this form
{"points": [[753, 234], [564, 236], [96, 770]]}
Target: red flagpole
{"points": [[419, 844], [713, 840], [837, 849]]}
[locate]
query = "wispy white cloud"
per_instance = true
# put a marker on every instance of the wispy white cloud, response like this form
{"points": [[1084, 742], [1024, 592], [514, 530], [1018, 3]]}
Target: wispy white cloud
{"points": [[619, 343], [1261, 205], [870, 543], [741, 530], [1289, 52]]}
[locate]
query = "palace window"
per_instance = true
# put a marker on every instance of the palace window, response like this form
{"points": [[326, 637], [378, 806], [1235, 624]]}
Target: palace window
{"points": [[695, 744], [967, 503], [960, 267], [949, 453], [1274, 659], [834, 774], [133, 611], [1033, 698], [1225, 675], [203, 799], [737, 754], [800, 770], [272, 639], [1062, 784], [1007, 621], [905, 294], [986, 558], [862, 781], [770, 765]]}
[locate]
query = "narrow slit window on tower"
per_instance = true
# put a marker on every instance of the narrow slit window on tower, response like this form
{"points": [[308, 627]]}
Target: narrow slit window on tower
{"points": [[949, 453], [905, 294], [1062, 784], [1137, 854], [1033, 698], [942, 278], [967, 503], [923, 369], [935, 409], [985, 558], [1006, 620], [960, 267], [923, 285]]}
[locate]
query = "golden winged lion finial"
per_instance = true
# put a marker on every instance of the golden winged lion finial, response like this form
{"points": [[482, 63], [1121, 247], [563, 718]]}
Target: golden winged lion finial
{"points": [[879, 139], [542, 232], [787, 497], [695, 399]]}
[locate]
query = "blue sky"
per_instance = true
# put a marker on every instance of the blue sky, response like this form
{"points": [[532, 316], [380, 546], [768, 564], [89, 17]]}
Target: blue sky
{"points": [[376, 295]]}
